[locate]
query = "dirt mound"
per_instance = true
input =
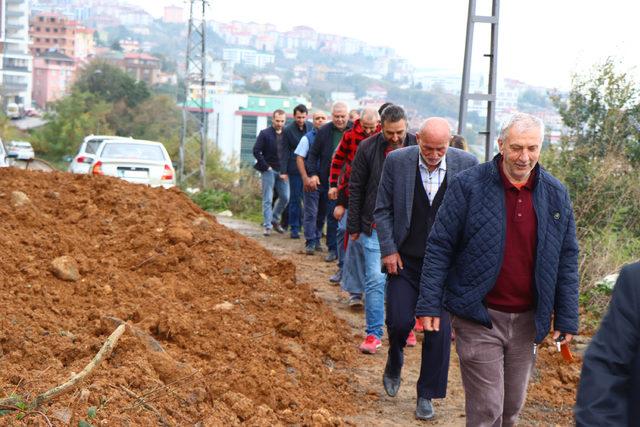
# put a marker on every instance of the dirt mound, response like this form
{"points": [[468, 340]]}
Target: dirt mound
{"points": [[219, 332]]}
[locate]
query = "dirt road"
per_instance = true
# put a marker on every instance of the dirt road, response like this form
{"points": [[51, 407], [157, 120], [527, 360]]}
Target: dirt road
{"points": [[314, 272]]}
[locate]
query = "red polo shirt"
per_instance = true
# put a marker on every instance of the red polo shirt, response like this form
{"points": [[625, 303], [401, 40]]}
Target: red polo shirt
{"points": [[513, 291]]}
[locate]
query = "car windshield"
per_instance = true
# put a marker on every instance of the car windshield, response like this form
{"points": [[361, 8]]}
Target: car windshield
{"points": [[133, 151]]}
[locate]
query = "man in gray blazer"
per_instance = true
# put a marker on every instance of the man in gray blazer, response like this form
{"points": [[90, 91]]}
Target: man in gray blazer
{"points": [[411, 190]]}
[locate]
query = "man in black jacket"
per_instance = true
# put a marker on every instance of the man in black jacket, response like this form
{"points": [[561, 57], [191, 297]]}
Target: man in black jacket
{"points": [[319, 163], [266, 152], [292, 134], [609, 390], [366, 170]]}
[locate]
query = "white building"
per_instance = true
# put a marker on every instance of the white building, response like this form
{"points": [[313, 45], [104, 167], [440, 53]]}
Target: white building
{"points": [[16, 61], [250, 57], [236, 119]]}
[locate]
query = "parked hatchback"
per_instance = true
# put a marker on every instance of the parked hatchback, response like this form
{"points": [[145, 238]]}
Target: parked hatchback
{"points": [[21, 150], [137, 161], [82, 161]]}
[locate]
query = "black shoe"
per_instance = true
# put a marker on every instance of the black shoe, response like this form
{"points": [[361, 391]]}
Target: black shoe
{"points": [[331, 256], [277, 227], [295, 235], [391, 384], [319, 247], [424, 409], [336, 278]]}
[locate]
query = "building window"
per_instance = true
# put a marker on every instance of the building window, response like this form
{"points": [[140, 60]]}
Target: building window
{"points": [[48, 30], [248, 139], [55, 30], [41, 18], [37, 28]]}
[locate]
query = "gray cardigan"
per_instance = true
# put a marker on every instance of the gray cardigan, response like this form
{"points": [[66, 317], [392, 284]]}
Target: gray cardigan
{"points": [[394, 202]]}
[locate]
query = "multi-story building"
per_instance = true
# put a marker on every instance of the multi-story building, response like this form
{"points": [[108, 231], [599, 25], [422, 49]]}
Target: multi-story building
{"points": [[142, 67], [53, 31], [15, 60], [236, 119], [53, 74], [250, 57]]}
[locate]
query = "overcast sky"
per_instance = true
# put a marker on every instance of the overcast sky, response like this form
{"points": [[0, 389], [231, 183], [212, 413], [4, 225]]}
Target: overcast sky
{"points": [[540, 42]]}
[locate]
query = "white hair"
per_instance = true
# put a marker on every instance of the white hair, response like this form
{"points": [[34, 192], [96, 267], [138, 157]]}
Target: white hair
{"points": [[338, 105], [370, 113], [523, 122]]}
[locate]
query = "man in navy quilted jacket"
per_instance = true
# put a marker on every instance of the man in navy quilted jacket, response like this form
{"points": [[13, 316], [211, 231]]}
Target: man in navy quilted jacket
{"points": [[502, 258]]}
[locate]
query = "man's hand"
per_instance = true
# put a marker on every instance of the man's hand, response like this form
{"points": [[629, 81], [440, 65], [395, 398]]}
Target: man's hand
{"points": [[312, 183], [284, 176], [430, 324], [338, 212], [393, 263], [567, 337], [354, 236], [333, 193]]}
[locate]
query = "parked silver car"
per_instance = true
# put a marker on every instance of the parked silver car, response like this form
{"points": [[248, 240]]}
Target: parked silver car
{"points": [[137, 161], [21, 150], [82, 161]]}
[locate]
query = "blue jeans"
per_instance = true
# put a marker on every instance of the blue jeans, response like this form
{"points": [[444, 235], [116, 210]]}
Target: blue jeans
{"points": [[341, 231], [374, 284], [332, 224], [270, 180], [315, 211], [353, 269], [295, 200]]}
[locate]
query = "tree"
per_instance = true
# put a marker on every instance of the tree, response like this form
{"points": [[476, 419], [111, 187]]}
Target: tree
{"points": [[76, 116], [602, 113], [109, 83]]}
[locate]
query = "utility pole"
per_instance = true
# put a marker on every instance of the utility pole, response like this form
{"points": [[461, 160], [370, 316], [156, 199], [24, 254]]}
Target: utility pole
{"points": [[490, 96], [193, 139]]}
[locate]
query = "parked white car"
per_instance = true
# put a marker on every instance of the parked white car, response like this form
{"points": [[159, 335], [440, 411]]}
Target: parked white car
{"points": [[21, 150], [137, 161], [82, 161]]}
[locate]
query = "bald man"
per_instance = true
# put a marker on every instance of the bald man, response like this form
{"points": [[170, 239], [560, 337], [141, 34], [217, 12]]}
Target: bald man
{"points": [[414, 180]]}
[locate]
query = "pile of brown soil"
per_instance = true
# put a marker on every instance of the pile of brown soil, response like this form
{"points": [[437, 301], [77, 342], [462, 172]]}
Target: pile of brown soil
{"points": [[552, 391], [219, 331]]}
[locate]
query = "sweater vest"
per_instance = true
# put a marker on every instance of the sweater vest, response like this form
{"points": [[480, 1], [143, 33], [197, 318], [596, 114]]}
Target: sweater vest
{"points": [[423, 215]]}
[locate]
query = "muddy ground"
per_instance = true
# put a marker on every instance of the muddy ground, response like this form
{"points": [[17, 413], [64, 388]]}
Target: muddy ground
{"points": [[551, 393]]}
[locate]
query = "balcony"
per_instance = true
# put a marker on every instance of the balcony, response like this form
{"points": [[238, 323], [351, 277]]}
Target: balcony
{"points": [[14, 13], [10, 65]]}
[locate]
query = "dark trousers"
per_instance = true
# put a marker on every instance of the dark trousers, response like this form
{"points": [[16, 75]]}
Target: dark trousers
{"points": [[295, 202], [332, 226], [402, 296]]}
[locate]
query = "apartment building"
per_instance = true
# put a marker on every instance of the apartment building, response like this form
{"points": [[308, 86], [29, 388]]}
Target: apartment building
{"points": [[15, 60], [53, 31]]}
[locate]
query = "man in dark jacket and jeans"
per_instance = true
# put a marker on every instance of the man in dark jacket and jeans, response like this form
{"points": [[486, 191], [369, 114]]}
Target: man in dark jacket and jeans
{"points": [[267, 152], [609, 390], [366, 170], [292, 135], [502, 258], [318, 165]]}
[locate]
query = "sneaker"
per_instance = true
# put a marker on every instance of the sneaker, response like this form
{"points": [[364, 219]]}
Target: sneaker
{"points": [[310, 249], [418, 327], [266, 232], [370, 345], [319, 247], [331, 256], [411, 340], [336, 278], [277, 227], [355, 301]]}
